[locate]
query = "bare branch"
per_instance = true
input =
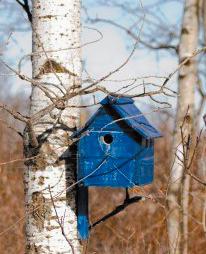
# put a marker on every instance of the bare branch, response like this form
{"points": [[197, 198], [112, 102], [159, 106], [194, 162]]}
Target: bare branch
{"points": [[26, 8], [18, 160], [14, 113], [118, 209], [12, 128], [130, 33], [60, 223]]}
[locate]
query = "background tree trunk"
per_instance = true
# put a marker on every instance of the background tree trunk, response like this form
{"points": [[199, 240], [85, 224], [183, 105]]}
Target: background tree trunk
{"points": [[178, 193], [202, 159], [56, 27]]}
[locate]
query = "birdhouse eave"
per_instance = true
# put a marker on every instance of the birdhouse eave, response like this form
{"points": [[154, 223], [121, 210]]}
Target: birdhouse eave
{"points": [[127, 112]]}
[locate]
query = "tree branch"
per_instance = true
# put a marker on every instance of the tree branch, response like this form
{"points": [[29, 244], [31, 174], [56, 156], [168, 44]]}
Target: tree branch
{"points": [[130, 33], [26, 8], [118, 209], [14, 113]]}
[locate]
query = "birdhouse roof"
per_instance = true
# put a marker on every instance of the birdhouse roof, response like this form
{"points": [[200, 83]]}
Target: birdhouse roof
{"points": [[127, 112]]}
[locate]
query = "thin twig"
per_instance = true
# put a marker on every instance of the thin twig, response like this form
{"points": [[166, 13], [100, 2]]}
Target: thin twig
{"points": [[60, 223]]}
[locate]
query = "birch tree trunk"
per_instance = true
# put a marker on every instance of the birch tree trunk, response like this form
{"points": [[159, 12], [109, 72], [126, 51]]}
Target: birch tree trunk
{"points": [[178, 192], [56, 27], [202, 160]]}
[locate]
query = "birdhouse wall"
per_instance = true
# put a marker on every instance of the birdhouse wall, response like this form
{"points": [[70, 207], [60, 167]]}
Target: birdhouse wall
{"points": [[144, 172], [113, 155]]}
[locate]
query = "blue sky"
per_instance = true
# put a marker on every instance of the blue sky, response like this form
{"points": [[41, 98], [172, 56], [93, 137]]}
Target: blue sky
{"points": [[103, 56], [115, 46]]}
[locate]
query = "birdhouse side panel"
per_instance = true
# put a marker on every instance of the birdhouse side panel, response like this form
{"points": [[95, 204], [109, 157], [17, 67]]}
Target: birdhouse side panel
{"points": [[144, 172]]}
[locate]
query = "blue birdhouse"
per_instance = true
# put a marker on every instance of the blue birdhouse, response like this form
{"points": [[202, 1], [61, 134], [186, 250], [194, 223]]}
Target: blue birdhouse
{"points": [[115, 149]]}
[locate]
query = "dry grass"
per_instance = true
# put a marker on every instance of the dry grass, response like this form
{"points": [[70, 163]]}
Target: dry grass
{"points": [[140, 228], [11, 193]]}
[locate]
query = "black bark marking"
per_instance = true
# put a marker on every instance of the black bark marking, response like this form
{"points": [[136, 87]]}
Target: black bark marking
{"points": [[51, 66], [40, 210]]}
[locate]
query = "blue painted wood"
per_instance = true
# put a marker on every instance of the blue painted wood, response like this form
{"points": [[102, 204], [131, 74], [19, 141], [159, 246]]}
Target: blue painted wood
{"points": [[83, 227], [120, 160], [128, 158], [126, 110], [82, 211], [115, 149]]}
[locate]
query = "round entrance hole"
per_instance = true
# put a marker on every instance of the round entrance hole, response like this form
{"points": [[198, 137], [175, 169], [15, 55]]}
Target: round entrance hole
{"points": [[108, 139]]}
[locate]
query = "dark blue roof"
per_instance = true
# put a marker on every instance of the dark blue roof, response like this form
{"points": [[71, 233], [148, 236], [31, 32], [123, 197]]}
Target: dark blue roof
{"points": [[128, 113], [115, 100]]}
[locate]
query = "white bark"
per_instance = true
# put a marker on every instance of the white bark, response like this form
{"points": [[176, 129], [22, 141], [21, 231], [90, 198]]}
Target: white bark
{"points": [[202, 160], [179, 182], [56, 26]]}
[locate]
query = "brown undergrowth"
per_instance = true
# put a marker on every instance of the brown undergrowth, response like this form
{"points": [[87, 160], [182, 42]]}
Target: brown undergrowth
{"points": [[140, 228], [11, 189]]}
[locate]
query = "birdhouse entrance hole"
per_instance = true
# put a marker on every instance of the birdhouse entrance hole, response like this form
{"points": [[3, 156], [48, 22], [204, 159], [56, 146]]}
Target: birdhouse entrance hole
{"points": [[108, 139]]}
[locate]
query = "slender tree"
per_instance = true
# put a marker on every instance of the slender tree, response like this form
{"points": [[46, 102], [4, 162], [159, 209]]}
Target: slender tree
{"points": [[50, 200], [178, 194], [51, 225]]}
